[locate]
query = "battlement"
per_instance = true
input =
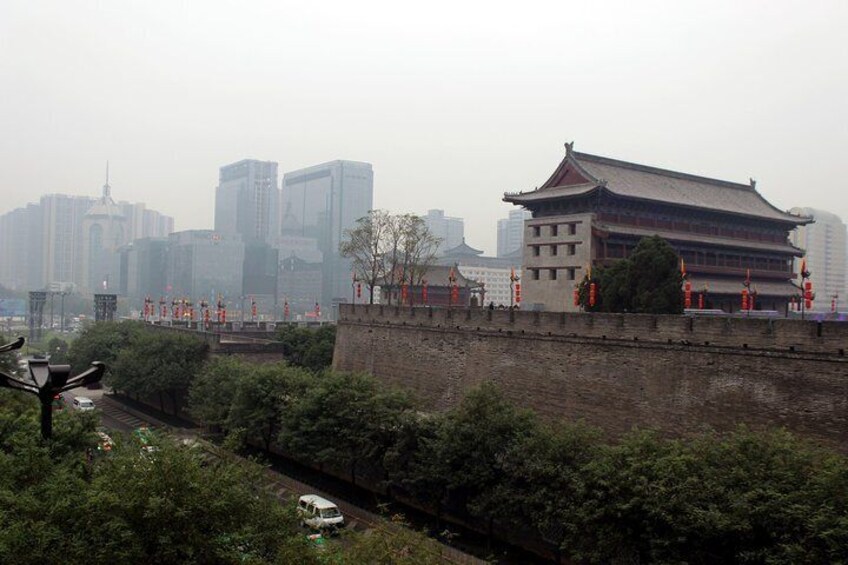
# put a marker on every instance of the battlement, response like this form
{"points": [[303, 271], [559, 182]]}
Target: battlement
{"points": [[776, 335]]}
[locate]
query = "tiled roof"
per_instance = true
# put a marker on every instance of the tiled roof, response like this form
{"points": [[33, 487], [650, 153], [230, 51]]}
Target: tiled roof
{"points": [[462, 250], [725, 286], [703, 239], [580, 173], [437, 275]]}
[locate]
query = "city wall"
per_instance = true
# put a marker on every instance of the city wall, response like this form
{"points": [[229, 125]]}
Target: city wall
{"points": [[680, 375]]}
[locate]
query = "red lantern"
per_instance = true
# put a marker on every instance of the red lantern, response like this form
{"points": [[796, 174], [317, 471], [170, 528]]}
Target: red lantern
{"points": [[359, 290], [424, 292], [455, 294], [576, 297], [808, 290], [518, 293], [593, 294], [701, 301], [687, 295], [404, 293], [744, 298]]}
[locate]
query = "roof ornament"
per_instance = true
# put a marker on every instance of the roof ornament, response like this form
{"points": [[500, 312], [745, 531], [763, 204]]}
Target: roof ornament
{"points": [[602, 182], [753, 183], [569, 147]]}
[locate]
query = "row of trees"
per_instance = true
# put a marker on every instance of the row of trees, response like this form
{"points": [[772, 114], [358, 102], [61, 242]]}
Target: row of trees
{"points": [[747, 497], [60, 504], [158, 365], [648, 282], [388, 249]]}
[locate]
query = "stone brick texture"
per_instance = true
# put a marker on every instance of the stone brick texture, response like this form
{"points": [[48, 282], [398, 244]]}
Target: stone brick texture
{"points": [[679, 375]]}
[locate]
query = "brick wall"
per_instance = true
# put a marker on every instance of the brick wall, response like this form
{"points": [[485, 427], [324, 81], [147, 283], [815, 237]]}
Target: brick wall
{"points": [[676, 374]]}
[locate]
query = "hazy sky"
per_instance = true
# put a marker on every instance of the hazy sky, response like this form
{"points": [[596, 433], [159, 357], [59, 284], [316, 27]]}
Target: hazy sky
{"points": [[452, 102]]}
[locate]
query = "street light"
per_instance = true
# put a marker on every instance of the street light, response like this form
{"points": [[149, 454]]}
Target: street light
{"points": [[46, 381]]}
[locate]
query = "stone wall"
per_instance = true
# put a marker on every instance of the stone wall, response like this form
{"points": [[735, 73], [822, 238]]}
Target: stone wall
{"points": [[677, 374]]}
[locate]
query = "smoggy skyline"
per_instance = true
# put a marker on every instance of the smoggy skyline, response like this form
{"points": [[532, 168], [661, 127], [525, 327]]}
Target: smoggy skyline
{"points": [[452, 103]]}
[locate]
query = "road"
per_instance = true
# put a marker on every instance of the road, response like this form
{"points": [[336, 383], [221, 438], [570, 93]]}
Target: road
{"points": [[111, 416]]}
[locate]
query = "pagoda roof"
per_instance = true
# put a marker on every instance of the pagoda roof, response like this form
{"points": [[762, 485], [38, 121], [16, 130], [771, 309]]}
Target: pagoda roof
{"points": [[703, 239], [437, 275], [582, 173], [462, 250]]}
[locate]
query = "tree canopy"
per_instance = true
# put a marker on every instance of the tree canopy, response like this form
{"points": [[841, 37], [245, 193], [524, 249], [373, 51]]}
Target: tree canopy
{"points": [[647, 282]]}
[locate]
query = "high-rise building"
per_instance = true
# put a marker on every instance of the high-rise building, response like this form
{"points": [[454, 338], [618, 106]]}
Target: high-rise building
{"points": [[144, 268], [205, 264], [322, 202], [824, 244], [66, 241], [62, 237], [246, 201], [450, 231], [104, 232], [20, 248], [511, 232]]}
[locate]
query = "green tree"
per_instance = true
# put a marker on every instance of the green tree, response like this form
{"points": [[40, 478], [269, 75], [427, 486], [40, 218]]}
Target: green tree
{"points": [[470, 448], [171, 507], [158, 364], [260, 398], [101, 341], [647, 282], [344, 419], [211, 392], [308, 347]]}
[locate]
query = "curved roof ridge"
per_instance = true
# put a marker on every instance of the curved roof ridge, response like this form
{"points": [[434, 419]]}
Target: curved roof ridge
{"points": [[659, 171]]}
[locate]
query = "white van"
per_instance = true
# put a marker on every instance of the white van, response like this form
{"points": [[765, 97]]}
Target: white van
{"points": [[83, 403], [319, 513]]}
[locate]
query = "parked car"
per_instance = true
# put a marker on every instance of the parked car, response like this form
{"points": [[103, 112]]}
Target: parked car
{"points": [[319, 513], [83, 403]]}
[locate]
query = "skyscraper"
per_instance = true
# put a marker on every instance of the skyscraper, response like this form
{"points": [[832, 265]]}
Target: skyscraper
{"points": [[61, 237], [450, 231], [104, 232], [511, 232], [824, 242], [246, 201], [322, 202]]}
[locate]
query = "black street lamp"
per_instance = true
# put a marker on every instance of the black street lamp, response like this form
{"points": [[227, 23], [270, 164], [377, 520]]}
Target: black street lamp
{"points": [[46, 381]]}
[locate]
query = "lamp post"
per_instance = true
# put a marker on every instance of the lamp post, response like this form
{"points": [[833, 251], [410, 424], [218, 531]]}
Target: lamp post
{"points": [[46, 381], [451, 283], [513, 278]]}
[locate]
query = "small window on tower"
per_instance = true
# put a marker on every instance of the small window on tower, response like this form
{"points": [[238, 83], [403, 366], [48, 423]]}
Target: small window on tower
{"points": [[554, 250], [554, 230], [537, 231], [572, 248], [535, 274], [572, 229], [553, 274]]}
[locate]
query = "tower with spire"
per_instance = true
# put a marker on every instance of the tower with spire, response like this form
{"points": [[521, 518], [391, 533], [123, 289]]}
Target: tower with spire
{"points": [[104, 231]]}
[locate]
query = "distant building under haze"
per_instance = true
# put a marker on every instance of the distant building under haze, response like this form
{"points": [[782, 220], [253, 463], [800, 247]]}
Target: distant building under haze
{"points": [[824, 245], [321, 203], [247, 201], [450, 231]]}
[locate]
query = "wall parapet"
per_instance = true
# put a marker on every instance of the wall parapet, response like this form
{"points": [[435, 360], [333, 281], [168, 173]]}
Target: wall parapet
{"points": [[777, 335]]}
